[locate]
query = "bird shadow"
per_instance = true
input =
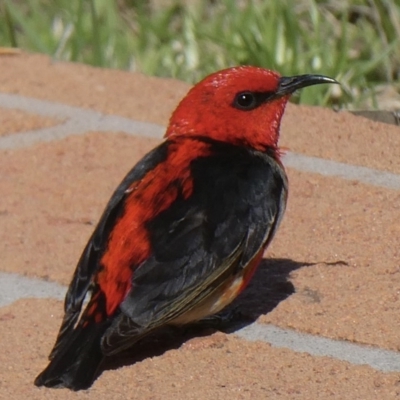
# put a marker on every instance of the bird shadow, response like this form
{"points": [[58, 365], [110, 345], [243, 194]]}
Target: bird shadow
{"points": [[269, 286]]}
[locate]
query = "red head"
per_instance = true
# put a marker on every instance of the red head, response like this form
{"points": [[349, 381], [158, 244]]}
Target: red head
{"points": [[242, 105]]}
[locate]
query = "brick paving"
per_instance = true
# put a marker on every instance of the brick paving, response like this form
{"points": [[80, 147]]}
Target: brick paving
{"points": [[325, 300]]}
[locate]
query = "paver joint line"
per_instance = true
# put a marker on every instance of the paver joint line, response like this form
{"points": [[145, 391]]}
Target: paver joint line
{"points": [[14, 287], [379, 359], [78, 122], [324, 167]]}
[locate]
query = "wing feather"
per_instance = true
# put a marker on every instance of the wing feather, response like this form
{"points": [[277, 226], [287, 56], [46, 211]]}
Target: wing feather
{"points": [[88, 263], [237, 203]]}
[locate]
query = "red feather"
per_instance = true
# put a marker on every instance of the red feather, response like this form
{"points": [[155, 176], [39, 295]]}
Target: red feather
{"points": [[129, 244]]}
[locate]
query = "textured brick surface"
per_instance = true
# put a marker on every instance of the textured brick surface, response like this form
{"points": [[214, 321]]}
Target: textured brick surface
{"points": [[110, 91], [341, 137], [212, 367], [333, 270], [13, 121], [55, 194]]}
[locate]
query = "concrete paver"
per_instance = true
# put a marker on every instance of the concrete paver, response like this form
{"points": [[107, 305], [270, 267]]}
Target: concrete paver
{"points": [[113, 92], [341, 137], [341, 243], [333, 269], [216, 366], [56, 193], [12, 121]]}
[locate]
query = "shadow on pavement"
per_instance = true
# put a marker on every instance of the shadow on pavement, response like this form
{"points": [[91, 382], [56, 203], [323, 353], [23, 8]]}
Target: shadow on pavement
{"points": [[269, 286]]}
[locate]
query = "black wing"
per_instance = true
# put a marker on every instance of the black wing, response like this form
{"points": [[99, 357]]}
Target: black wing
{"points": [[237, 202], [88, 263]]}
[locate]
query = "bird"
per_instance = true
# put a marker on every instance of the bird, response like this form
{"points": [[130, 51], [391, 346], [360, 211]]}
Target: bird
{"points": [[184, 232]]}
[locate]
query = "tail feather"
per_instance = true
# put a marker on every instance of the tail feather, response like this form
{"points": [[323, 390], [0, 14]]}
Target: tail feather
{"points": [[75, 364]]}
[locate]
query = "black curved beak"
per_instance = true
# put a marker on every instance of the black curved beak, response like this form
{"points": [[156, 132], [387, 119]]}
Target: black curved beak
{"points": [[289, 84]]}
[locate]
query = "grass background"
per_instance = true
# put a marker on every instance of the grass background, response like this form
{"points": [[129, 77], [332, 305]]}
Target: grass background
{"points": [[356, 42]]}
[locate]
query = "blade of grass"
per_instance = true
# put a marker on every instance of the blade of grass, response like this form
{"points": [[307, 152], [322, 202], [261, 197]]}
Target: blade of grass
{"points": [[96, 39], [10, 25]]}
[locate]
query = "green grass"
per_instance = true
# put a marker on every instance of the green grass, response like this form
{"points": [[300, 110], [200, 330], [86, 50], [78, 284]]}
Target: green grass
{"points": [[356, 42]]}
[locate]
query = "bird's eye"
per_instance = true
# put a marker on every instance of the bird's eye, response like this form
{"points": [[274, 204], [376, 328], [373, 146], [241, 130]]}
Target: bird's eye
{"points": [[245, 101]]}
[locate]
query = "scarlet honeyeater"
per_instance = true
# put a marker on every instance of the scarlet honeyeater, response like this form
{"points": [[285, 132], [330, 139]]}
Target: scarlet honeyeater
{"points": [[185, 230]]}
